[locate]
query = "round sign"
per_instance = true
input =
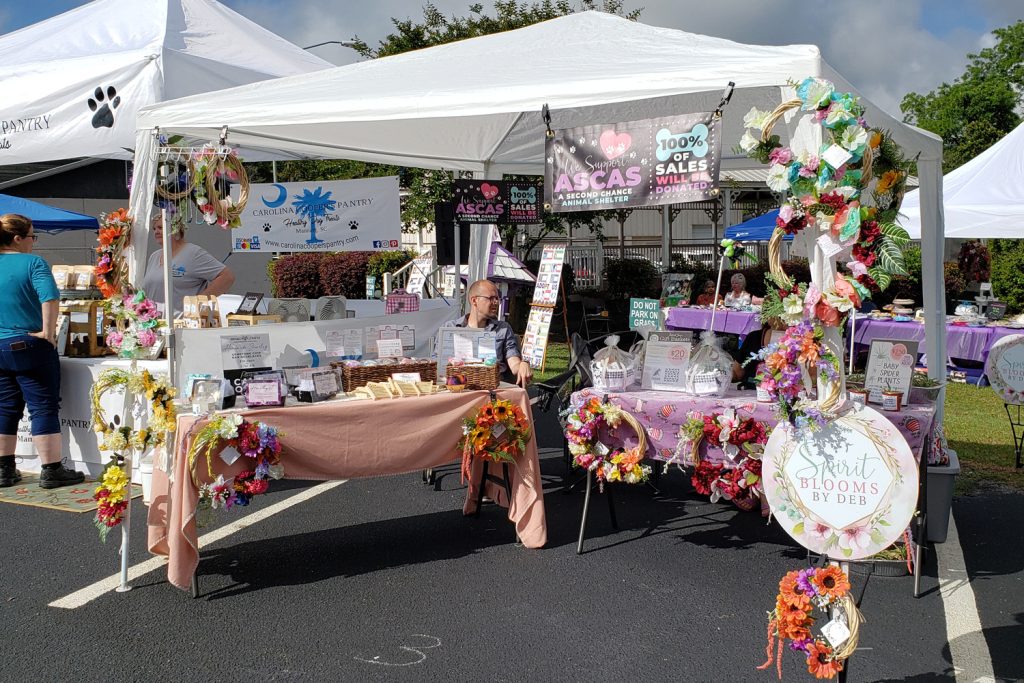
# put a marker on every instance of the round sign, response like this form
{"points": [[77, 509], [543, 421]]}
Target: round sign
{"points": [[847, 490], [1005, 368]]}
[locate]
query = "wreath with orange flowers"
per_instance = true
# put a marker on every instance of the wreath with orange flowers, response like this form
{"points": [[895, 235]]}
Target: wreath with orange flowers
{"points": [[498, 432], [800, 593], [111, 269]]}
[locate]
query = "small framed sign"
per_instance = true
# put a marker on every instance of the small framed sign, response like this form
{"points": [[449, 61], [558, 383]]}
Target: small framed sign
{"points": [[317, 385], [890, 368], [249, 303], [263, 392]]}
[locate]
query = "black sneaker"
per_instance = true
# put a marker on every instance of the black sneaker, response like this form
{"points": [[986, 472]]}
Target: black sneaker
{"points": [[59, 476], [9, 477]]}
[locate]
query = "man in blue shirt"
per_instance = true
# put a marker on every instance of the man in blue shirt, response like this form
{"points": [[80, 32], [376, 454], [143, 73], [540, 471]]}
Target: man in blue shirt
{"points": [[483, 315]]}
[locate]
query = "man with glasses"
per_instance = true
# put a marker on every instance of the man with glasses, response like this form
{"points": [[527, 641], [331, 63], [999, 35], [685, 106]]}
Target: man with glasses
{"points": [[483, 315]]}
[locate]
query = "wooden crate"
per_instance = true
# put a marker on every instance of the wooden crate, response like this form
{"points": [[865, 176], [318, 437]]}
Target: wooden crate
{"points": [[240, 320], [91, 344]]}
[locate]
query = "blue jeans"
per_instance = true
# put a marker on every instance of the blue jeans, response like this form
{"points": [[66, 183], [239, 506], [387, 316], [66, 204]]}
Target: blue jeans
{"points": [[29, 373]]}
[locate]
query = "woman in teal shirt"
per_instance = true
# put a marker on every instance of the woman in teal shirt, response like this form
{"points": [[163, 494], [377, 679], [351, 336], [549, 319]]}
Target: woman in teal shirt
{"points": [[29, 366]]}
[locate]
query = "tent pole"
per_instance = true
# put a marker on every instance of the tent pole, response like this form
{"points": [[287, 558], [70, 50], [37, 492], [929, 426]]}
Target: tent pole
{"points": [[666, 238]]}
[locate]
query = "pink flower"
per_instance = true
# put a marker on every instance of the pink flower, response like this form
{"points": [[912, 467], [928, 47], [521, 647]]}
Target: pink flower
{"points": [[786, 213], [811, 300], [844, 288], [147, 338], [855, 538], [114, 339], [818, 531], [857, 268], [828, 315], [781, 155]]}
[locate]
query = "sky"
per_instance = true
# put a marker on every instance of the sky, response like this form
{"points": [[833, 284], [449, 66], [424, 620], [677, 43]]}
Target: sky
{"points": [[886, 48]]}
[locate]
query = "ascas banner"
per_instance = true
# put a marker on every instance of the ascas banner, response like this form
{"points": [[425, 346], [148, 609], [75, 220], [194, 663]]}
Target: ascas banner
{"points": [[333, 215], [498, 201], [637, 163]]}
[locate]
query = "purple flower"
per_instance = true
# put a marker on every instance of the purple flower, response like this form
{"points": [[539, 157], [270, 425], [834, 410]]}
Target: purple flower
{"points": [[802, 645], [804, 583]]}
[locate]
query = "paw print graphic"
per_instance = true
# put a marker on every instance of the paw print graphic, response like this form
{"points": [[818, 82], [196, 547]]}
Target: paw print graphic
{"points": [[103, 103], [353, 225], [266, 227], [572, 150]]}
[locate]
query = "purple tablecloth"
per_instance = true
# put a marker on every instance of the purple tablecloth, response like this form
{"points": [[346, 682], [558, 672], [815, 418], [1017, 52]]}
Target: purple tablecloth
{"points": [[661, 413], [732, 322], [970, 343]]}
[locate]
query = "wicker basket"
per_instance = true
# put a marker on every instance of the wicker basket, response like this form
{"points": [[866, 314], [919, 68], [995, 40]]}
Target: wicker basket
{"points": [[485, 377], [353, 378]]}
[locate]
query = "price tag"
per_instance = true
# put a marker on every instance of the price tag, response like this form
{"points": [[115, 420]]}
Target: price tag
{"points": [[835, 156], [499, 433], [705, 383], [229, 455], [406, 376], [601, 449], [836, 632], [389, 348], [829, 246]]}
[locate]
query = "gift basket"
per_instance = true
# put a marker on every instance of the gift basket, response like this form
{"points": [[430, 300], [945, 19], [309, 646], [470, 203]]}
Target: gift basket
{"points": [[473, 376], [710, 370], [355, 374], [612, 368]]}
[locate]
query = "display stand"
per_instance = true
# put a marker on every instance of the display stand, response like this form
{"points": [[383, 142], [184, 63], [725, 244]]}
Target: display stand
{"points": [[1017, 427]]}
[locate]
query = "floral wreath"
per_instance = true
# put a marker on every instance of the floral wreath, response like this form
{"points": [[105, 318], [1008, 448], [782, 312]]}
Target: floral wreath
{"points": [[112, 491], [743, 441], [498, 432], [204, 179], [136, 319], [800, 593], [257, 441], [826, 191], [111, 269], [782, 373], [582, 428]]}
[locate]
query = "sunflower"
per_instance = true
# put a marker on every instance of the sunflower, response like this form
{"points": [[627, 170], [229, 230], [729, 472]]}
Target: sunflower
{"points": [[791, 593], [831, 582], [501, 409], [820, 661]]}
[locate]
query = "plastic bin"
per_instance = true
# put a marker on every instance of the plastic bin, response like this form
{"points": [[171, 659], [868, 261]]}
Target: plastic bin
{"points": [[941, 480]]}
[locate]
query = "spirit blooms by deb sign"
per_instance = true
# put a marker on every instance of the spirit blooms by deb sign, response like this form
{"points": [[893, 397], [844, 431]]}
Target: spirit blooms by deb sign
{"points": [[638, 163], [1005, 368], [847, 490]]}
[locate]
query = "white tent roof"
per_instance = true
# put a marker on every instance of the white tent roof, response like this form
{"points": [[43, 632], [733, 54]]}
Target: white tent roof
{"points": [[475, 104], [146, 50], [982, 198]]}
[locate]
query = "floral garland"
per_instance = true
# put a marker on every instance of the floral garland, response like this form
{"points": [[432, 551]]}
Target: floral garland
{"points": [[114, 235], [582, 427], [498, 432], [800, 592], [112, 496], [137, 320], [781, 373], [257, 441], [743, 441], [826, 190]]}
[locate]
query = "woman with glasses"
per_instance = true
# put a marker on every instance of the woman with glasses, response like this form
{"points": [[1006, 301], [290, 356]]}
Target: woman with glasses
{"points": [[29, 366]]}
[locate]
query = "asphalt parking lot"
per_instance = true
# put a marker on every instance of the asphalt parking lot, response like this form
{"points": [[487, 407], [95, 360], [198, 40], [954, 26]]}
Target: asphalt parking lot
{"points": [[384, 579]]}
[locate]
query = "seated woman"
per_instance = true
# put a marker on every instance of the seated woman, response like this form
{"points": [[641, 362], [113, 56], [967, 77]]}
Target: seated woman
{"points": [[738, 296], [709, 296]]}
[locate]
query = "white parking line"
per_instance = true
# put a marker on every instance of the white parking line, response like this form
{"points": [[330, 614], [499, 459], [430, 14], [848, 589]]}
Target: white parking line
{"points": [[967, 647], [93, 591]]}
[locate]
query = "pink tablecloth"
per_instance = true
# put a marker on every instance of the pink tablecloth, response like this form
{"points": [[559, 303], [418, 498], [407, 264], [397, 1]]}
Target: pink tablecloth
{"points": [[740, 323], [661, 413], [345, 440]]}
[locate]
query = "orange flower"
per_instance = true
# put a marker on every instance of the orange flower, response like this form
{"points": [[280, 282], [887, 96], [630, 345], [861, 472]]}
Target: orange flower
{"points": [[876, 140], [776, 361], [808, 349], [109, 235], [791, 593], [826, 314], [886, 182], [794, 622], [831, 581], [820, 661], [844, 288]]}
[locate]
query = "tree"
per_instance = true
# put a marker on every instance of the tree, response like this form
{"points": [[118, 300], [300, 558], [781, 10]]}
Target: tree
{"points": [[313, 205], [980, 107]]}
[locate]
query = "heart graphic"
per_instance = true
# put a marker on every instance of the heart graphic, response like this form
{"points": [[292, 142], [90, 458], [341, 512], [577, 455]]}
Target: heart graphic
{"points": [[615, 144], [489, 191]]}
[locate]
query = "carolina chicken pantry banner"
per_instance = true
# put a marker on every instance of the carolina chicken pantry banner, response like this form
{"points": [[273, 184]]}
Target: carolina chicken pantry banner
{"points": [[637, 163], [334, 215]]}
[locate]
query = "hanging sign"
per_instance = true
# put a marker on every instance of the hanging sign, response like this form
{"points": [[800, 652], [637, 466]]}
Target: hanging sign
{"points": [[498, 201], [1005, 368], [322, 215], [848, 489], [636, 163], [890, 368], [549, 275]]}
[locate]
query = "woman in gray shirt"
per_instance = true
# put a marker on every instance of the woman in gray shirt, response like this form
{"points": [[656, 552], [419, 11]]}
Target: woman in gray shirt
{"points": [[193, 269]]}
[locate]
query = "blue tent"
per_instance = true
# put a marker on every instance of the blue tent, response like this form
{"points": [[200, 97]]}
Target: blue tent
{"points": [[758, 229], [47, 218]]}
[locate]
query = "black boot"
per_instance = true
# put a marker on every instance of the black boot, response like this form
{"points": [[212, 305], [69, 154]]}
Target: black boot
{"points": [[9, 475], [55, 475]]}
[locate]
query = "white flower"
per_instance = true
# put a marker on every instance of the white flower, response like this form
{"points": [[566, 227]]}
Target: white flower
{"points": [[792, 309], [755, 119], [778, 178], [839, 115], [853, 138], [840, 303], [748, 142], [577, 448], [854, 538]]}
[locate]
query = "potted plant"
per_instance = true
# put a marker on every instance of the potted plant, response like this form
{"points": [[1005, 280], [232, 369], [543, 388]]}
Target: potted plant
{"points": [[924, 389], [890, 562]]}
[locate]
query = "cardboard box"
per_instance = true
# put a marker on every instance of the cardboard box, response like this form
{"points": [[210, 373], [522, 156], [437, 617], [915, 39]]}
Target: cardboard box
{"points": [[237, 320]]}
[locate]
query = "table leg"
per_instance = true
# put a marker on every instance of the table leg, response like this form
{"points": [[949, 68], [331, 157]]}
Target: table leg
{"points": [[194, 586], [481, 486], [611, 506], [583, 517]]}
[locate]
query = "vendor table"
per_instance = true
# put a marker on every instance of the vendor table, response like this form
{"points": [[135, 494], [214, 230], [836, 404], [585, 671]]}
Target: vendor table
{"points": [[346, 439], [740, 323], [962, 341]]}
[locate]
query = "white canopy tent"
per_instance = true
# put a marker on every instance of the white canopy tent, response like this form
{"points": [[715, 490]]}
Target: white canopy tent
{"points": [[74, 83], [475, 105], [982, 198]]}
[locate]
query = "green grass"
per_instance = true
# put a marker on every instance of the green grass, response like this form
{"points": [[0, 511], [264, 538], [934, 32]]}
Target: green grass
{"points": [[976, 427], [978, 430]]}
